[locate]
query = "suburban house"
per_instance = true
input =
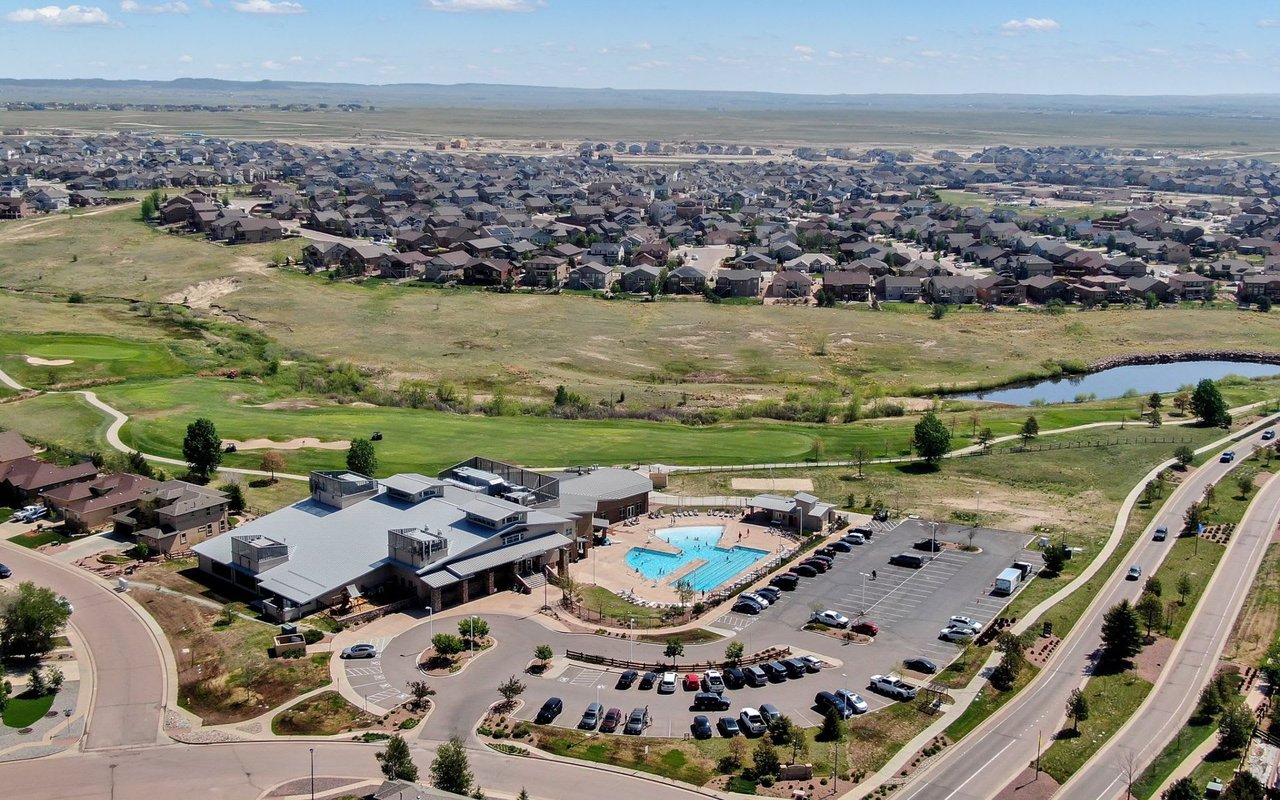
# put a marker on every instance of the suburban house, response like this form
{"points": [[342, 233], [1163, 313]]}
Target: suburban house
{"points": [[686, 280], [27, 478], [950, 289], [478, 528], [91, 504], [800, 512], [791, 285], [898, 289], [173, 515], [13, 447], [1141, 286], [1000, 290], [1189, 286], [638, 279], [1043, 288], [592, 275], [1253, 288], [738, 283], [847, 286]]}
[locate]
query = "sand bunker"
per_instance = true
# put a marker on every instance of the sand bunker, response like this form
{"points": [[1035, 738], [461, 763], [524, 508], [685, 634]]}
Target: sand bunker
{"points": [[286, 405], [773, 484], [36, 361], [292, 444]]}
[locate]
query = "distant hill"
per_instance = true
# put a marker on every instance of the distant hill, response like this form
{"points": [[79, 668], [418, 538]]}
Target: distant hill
{"points": [[498, 96]]}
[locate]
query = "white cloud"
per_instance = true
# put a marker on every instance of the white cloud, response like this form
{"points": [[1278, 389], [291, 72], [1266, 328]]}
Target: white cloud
{"points": [[296, 59], [269, 64], [1031, 25], [1269, 22], [268, 7], [133, 7], [465, 6], [59, 16], [185, 59], [804, 49], [932, 54]]}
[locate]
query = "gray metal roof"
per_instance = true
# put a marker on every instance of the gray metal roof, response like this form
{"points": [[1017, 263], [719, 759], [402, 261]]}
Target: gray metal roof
{"points": [[604, 483], [771, 502], [505, 555]]}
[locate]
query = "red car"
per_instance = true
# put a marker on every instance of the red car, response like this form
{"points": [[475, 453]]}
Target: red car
{"points": [[866, 627], [692, 683]]}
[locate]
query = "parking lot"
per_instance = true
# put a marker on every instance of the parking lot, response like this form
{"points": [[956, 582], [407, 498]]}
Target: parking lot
{"points": [[366, 677], [910, 606]]}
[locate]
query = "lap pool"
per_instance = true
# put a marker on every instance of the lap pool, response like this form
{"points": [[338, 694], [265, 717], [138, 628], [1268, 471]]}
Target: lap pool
{"points": [[694, 543]]}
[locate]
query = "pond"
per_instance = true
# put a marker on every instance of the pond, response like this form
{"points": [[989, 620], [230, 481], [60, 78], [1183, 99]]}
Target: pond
{"points": [[1115, 382]]}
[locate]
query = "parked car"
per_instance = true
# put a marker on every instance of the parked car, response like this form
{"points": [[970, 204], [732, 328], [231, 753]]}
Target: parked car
{"points": [[710, 701], [908, 560], [795, 667], [920, 664], [750, 721], [805, 570], [648, 679], [775, 670], [828, 560], [831, 618], [928, 545], [701, 727], [841, 546], [950, 634], [549, 711], [23, 514], [713, 681], [668, 683], [1161, 534], [770, 712], [691, 683], [960, 621], [852, 700], [826, 552], [744, 606], [362, 650], [5, 572], [812, 663], [893, 686], [769, 593], [734, 678], [881, 515], [627, 678], [1227, 457], [612, 718], [38, 512], [826, 701], [1135, 572], [854, 538], [787, 581], [635, 723], [864, 530], [755, 598], [756, 676], [728, 727], [866, 627], [591, 717]]}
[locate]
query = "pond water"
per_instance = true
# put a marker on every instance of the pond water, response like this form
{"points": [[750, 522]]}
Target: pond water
{"points": [[1114, 382]]}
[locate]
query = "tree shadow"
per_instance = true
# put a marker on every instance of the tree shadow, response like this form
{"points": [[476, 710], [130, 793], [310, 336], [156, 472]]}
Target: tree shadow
{"points": [[917, 468]]}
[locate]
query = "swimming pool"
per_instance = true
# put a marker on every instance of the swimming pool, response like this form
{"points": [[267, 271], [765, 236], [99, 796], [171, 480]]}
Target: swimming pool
{"points": [[694, 542]]}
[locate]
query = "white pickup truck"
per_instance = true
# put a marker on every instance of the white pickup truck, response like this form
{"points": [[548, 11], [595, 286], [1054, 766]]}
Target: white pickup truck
{"points": [[893, 686]]}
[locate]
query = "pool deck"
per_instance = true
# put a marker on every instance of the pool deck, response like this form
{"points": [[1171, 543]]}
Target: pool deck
{"points": [[611, 571]]}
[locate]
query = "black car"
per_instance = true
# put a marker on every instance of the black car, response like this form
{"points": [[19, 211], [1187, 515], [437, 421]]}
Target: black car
{"points": [[816, 563], [627, 678], [928, 545], [5, 572], [701, 727], [920, 664], [648, 680], [881, 515], [549, 711], [745, 606], [787, 581], [710, 701], [828, 560], [795, 667], [728, 727], [734, 679], [840, 546], [769, 593], [805, 570], [825, 552], [775, 670]]}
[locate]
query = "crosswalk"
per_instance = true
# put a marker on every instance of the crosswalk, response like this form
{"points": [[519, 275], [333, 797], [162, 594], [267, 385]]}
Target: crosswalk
{"points": [[368, 680]]}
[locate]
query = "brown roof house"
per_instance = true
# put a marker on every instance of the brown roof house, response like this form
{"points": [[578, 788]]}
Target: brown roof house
{"points": [[27, 478], [13, 447], [172, 516], [91, 504]]}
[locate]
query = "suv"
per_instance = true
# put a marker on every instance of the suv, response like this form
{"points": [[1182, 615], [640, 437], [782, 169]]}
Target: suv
{"points": [[734, 678], [795, 667], [775, 670], [1161, 534], [635, 722], [787, 581], [713, 681], [1227, 457], [668, 683], [591, 717], [756, 676], [805, 570], [825, 701], [549, 711], [928, 545], [647, 680], [710, 701], [907, 560]]}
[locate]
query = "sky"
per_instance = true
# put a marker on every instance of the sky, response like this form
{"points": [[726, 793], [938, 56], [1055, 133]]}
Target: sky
{"points": [[794, 46]]}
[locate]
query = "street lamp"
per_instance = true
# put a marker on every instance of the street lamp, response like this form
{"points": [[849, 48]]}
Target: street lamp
{"points": [[631, 627], [471, 640], [313, 773], [845, 675], [864, 591], [977, 514]]}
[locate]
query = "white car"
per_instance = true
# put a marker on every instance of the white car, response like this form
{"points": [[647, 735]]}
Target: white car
{"points": [[853, 701], [29, 513], [668, 683], [955, 634], [969, 623], [832, 618], [759, 599]]}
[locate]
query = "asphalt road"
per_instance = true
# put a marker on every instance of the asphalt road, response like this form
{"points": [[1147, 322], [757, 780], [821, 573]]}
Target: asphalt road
{"points": [[909, 605], [1174, 698], [130, 677], [984, 762]]}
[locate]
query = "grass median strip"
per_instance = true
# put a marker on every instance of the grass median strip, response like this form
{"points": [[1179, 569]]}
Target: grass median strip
{"points": [[1112, 700]]}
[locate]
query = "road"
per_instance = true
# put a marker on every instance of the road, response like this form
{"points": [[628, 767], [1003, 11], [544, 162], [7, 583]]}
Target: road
{"points": [[1175, 696], [985, 761], [131, 681]]}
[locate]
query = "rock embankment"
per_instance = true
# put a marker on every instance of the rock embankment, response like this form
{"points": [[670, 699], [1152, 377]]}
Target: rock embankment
{"points": [[1135, 359]]}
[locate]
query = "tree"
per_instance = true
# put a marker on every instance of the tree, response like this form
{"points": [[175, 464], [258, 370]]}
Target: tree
{"points": [[235, 495], [931, 438], [937, 311], [361, 457], [1184, 455], [543, 653], [1154, 418], [202, 448], [1077, 709], [674, 649], [446, 644], [396, 761], [1155, 400], [1184, 588], [985, 436], [1150, 611], [1191, 519], [1182, 401], [1121, 639], [473, 628], [273, 461], [1181, 789], [1244, 482], [1207, 404], [832, 727], [781, 729], [136, 463], [1055, 558], [733, 653], [524, 794], [510, 689], [765, 759], [1235, 728], [1264, 304], [1030, 430], [420, 691], [684, 591], [562, 396], [30, 621], [1244, 786], [450, 770], [1153, 586]]}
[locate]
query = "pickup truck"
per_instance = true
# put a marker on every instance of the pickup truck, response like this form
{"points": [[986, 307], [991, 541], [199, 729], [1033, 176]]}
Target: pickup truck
{"points": [[893, 686]]}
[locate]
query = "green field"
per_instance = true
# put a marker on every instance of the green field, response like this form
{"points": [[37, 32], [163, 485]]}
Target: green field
{"points": [[94, 356], [61, 419], [1112, 700]]}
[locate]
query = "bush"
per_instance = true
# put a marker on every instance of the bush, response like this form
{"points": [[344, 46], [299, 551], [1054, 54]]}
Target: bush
{"points": [[75, 298], [311, 635]]}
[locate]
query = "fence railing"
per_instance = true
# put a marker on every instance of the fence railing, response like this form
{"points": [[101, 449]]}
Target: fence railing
{"points": [[771, 654]]}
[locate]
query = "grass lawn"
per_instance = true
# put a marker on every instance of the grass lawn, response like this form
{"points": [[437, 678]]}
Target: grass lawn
{"points": [[62, 419], [94, 356], [24, 710], [686, 760], [1112, 700], [225, 674], [322, 715], [987, 703], [1259, 620], [33, 539], [689, 636], [1218, 765], [601, 600], [1174, 753], [1196, 560]]}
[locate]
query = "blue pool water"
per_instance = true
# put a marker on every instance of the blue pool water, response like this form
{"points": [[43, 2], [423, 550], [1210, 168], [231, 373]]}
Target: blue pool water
{"points": [[695, 542]]}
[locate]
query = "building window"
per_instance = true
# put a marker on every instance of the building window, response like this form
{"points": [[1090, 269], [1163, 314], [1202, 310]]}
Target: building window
{"points": [[512, 538], [182, 539]]}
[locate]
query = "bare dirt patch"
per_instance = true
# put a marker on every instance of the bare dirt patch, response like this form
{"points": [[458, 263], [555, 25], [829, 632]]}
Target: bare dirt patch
{"points": [[202, 294], [1029, 786], [286, 405], [1152, 659], [37, 361], [293, 444], [773, 484]]}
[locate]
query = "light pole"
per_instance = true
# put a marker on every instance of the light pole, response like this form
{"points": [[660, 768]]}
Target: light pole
{"points": [[313, 773], [631, 628], [431, 621], [864, 591], [113, 781], [935, 538], [471, 640], [977, 514], [845, 675]]}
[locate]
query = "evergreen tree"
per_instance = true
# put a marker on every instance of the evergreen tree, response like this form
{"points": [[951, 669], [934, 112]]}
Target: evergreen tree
{"points": [[1077, 709], [361, 457], [1121, 639], [1030, 430], [396, 761], [451, 771]]}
